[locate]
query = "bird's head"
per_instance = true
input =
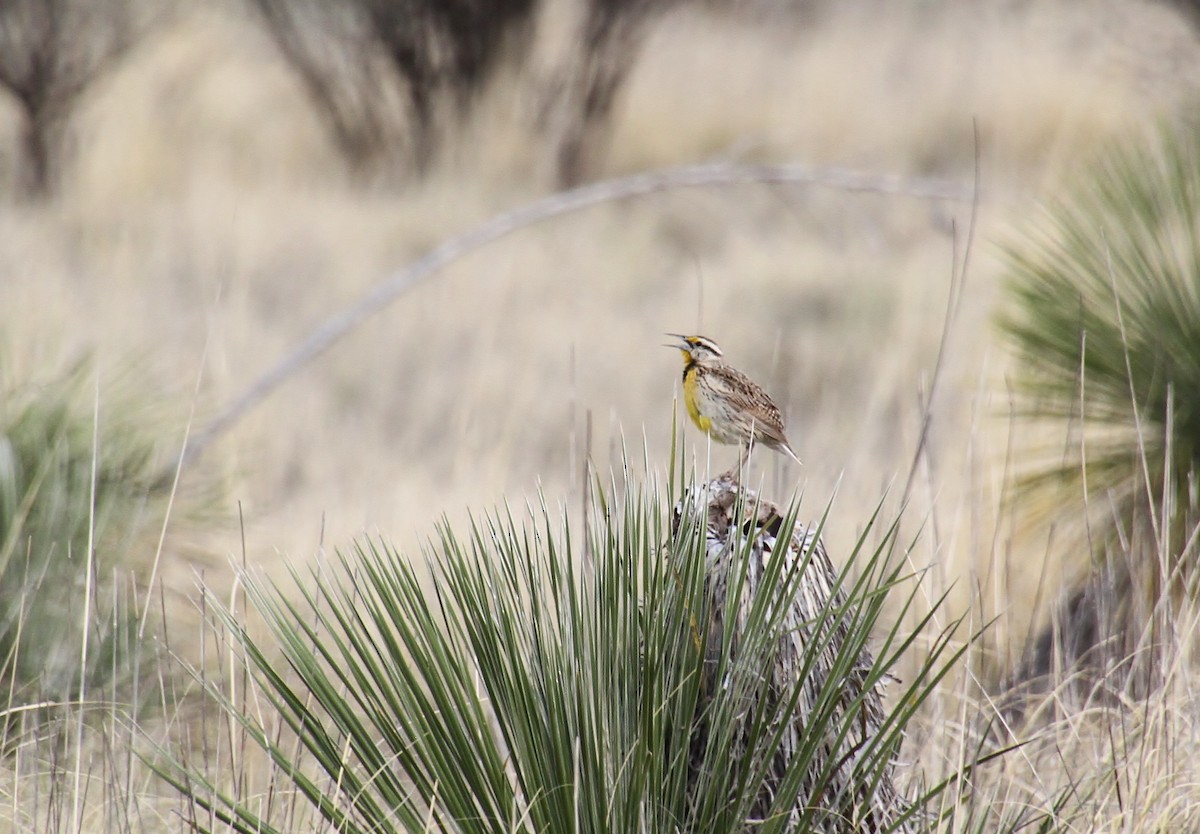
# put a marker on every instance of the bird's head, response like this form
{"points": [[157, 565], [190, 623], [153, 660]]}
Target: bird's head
{"points": [[695, 348]]}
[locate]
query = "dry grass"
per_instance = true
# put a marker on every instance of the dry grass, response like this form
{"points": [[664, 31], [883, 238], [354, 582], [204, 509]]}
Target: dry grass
{"points": [[206, 223]]}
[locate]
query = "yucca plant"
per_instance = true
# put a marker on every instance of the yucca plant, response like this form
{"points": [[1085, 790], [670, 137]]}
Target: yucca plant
{"points": [[1103, 314], [524, 678]]}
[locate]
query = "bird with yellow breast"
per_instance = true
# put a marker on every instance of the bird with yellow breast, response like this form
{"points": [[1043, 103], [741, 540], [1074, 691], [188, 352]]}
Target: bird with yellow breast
{"points": [[724, 403]]}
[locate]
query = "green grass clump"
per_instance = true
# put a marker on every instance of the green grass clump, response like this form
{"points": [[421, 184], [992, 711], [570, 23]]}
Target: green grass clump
{"points": [[526, 684], [70, 477]]}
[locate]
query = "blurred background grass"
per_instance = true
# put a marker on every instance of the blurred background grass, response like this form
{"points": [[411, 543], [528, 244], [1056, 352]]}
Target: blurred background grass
{"points": [[205, 224]]}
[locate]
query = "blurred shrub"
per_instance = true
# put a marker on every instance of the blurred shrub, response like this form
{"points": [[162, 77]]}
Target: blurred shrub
{"points": [[379, 73], [56, 484], [586, 89], [51, 53], [1104, 318]]}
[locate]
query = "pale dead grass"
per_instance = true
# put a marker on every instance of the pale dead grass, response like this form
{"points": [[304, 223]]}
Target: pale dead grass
{"points": [[1124, 766], [876, 86], [1128, 768], [207, 225]]}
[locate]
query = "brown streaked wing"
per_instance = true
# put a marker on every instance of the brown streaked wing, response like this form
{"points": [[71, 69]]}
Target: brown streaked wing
{"points": [[747, 396]]}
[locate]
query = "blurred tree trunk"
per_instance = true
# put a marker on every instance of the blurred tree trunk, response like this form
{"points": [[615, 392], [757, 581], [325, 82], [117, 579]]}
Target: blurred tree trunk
{"points": [[40, 150]]}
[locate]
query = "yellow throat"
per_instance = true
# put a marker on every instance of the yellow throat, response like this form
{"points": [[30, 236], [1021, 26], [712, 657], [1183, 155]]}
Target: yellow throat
{"points": [[689, 395]]}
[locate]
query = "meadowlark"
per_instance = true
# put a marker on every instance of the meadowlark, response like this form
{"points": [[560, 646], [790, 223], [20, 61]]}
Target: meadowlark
{"points": [[724, 403]]}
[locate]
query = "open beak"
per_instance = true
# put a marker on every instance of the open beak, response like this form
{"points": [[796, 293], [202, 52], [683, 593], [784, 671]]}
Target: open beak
{"points": [[680, 345]]}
